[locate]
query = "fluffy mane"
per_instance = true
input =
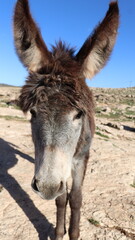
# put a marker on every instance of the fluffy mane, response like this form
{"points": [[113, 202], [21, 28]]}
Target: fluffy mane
{"points": [[63, 61]]}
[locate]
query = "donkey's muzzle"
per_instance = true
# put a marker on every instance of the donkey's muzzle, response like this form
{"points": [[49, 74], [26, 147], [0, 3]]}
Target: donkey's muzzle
{"points": [[46, 190]]}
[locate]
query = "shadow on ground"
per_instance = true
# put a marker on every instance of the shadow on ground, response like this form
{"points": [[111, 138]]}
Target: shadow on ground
{"points": [[127, 128], [8, 160]]}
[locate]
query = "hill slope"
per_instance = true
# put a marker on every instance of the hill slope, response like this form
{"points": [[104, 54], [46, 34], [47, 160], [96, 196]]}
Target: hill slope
{"points": [[109, 187]]}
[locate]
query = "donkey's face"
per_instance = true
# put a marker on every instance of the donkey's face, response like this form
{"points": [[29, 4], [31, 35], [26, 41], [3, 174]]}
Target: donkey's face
{"points": [[58, 98], [56, 131]]}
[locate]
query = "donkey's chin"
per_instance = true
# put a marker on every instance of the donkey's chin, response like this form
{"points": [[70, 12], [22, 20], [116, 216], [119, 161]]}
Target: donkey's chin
{"points": [[50, 197]]}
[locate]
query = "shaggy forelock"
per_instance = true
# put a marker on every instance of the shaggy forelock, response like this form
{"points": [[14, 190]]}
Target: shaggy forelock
{"points": [[61, 78], [39, 89]]}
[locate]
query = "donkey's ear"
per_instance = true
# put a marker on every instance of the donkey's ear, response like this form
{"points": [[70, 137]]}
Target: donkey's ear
{"points": [[97, 48], [30, 46]]}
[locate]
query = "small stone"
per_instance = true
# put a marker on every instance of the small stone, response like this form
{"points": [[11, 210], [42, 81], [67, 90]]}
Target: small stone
{"points": [[115, 125]]}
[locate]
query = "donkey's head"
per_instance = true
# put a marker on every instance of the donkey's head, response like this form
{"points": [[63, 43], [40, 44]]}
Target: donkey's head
{"points": [[59, 101]]}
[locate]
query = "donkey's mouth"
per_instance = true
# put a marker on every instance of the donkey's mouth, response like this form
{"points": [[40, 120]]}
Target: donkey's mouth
{"points": [[46, 192]]}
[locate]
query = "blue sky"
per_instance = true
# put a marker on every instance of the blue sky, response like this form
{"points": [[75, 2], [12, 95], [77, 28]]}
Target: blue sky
{"points": [[72, 21]]}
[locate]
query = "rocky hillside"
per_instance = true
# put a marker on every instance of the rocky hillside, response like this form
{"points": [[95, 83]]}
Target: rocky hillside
{"points": [[108, 210]]}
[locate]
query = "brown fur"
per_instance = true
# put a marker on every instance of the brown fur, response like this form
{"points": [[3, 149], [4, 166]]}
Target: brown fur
{"points": [[63, 78]]}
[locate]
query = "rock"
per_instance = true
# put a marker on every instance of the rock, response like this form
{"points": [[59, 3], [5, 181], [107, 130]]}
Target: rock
{"points": [[115, 125], [12, 103], [106, 110]]}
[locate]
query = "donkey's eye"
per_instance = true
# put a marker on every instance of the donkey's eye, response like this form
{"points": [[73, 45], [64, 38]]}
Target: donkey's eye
{"points": [[33, 112], [79, 115]]}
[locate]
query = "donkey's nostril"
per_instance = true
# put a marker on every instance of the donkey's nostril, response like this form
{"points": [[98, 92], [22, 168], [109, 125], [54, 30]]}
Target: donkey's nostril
{"points": [[34, 185]]}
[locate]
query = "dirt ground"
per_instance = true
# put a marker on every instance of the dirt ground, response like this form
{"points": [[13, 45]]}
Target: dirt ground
{"points": [[108, 210]]}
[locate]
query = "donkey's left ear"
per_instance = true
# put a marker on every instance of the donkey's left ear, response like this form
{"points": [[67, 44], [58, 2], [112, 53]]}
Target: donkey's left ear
{"points": [[97, 48], [30, 46]]}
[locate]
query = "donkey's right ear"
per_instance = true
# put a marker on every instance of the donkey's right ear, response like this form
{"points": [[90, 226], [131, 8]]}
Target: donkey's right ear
{"points": [[30, 46]]}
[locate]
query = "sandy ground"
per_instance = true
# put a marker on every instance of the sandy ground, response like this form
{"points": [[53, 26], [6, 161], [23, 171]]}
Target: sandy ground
{"points": [[108, 211]]}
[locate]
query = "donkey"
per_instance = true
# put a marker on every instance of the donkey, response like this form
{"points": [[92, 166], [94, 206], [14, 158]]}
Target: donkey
{"points": [[61, 107]]}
